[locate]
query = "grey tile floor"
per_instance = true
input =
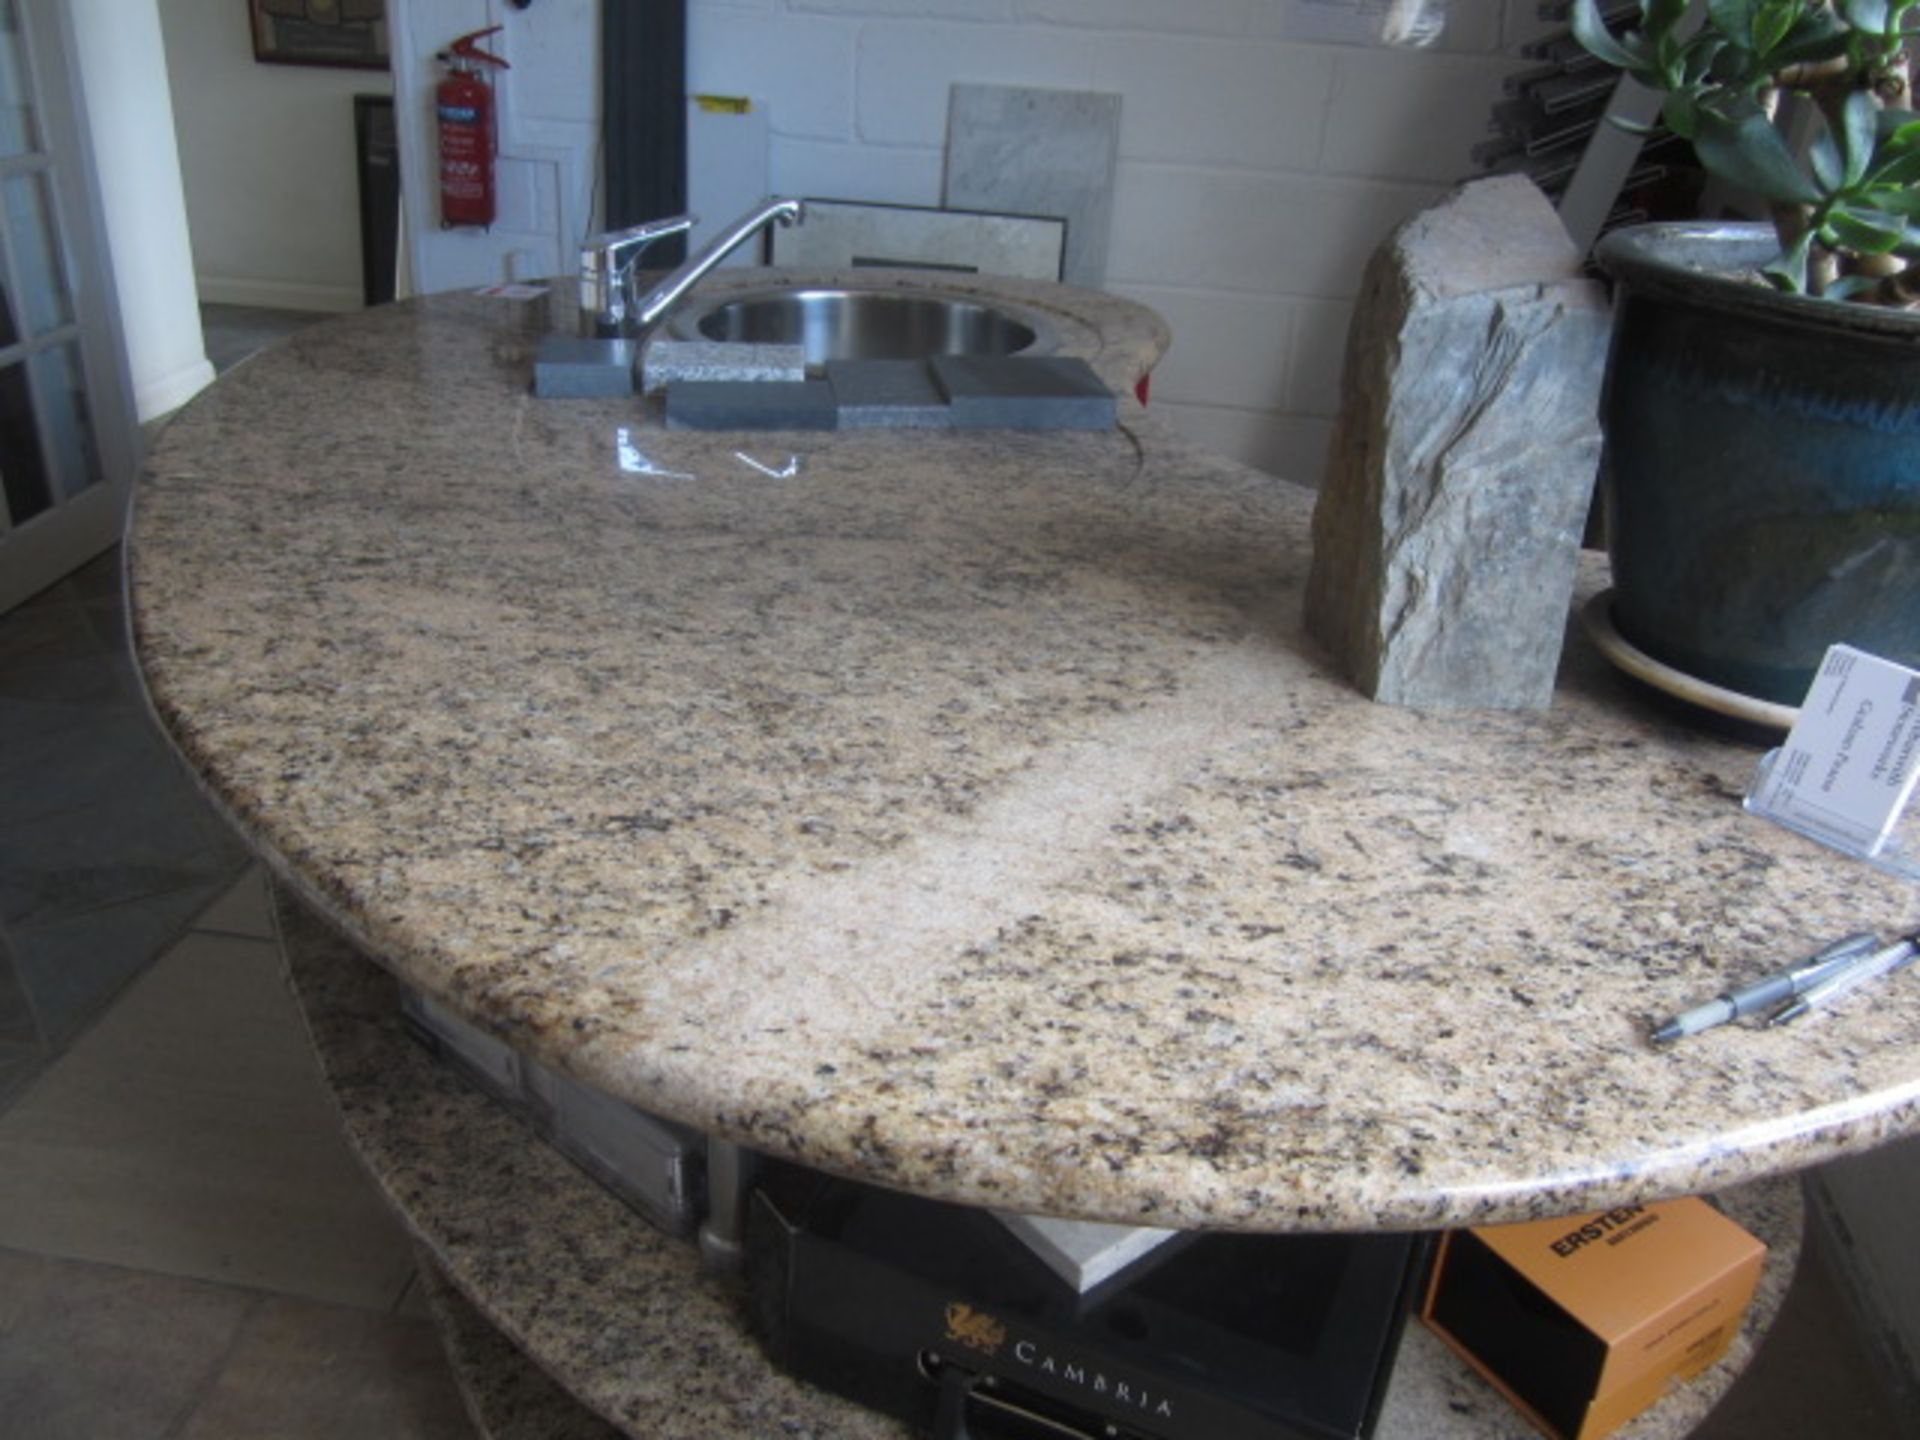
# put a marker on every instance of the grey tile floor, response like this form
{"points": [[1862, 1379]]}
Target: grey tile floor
{"points": [[110, 852], [233, 332], [187, 1249]]}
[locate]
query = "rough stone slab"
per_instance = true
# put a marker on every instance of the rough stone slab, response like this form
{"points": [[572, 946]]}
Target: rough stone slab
{"points": [[1018, 392], [750, 405], [571, 367], [1447, 530], [670, 360], [887, 394]]}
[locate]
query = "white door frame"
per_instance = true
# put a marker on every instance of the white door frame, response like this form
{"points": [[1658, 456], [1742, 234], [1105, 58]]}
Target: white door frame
{"points": [[83, 519]]}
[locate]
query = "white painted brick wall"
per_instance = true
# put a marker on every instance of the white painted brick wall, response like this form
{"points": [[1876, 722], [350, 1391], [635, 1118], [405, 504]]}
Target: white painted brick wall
{"points": [[905, 68], [1248, 232], [1216, 101], [1257, 171], [847, 170], [1407, 114], [1193, 17], [1471, 25], [800, 66]]}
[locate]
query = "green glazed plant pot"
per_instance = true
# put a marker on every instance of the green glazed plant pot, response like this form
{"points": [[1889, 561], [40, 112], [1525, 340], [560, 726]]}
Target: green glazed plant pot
{"points": [[1761, 475]]}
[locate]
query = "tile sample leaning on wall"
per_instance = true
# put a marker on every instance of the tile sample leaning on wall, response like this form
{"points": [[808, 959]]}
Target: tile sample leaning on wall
{"points": [[840, 234], [1038, 152]]}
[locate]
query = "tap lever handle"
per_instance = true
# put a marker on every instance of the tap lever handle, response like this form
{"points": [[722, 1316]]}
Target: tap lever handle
{"points": [[645, 233], [606, 264]]}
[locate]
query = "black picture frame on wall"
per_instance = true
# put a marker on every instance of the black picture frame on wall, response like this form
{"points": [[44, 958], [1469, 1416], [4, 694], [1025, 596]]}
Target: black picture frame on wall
{"points": [[351, 34]]}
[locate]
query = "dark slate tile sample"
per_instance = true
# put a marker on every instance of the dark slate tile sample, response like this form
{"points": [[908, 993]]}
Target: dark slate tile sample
{"points": [[1017, 392], [750, 405], [887, 395], [573, 367]]}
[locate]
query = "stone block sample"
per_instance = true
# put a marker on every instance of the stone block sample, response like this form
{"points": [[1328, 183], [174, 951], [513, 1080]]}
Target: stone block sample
{"points": [[1019, 392], [1447, 529], [669, 360], [568, 367], [887, 395], [750, 405]]}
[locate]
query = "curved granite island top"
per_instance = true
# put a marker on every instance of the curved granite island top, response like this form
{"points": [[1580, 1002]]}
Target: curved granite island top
{"points": [[967, 812]]}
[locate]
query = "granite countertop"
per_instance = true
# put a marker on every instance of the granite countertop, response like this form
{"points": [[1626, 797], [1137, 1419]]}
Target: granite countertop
{"points": [[518, 1245], [967, 812]]}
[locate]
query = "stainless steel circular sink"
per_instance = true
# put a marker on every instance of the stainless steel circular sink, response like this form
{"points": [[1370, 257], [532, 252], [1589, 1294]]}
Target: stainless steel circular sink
{"points": [[863, 324]]}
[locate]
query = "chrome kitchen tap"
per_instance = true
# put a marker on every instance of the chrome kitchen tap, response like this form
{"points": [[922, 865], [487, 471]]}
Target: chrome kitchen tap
{"points": [[654, 307], [606, 270]]}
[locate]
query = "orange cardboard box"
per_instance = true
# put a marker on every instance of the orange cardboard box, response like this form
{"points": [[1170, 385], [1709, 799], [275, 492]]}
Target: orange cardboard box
{"points": [[1584, 1322]]}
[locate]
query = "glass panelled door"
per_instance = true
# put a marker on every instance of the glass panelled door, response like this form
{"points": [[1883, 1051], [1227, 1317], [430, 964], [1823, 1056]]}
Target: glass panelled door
{"points": [[67, 439]]}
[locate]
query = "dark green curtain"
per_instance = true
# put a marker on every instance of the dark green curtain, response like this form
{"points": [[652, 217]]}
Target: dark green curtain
{"points": [[643, 87]]}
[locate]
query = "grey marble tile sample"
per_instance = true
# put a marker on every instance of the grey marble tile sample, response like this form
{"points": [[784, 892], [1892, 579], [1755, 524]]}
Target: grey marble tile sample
{"points": [[1038, 152]]}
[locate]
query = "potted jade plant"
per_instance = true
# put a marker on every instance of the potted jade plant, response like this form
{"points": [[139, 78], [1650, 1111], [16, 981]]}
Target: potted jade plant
{"points": [[1762, 415]]}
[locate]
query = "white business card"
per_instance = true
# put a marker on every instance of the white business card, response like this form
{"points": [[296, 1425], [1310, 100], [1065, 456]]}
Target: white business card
{"points": [[1848, 767]]}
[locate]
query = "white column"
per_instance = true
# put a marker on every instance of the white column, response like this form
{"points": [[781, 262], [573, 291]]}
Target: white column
{"points": [[129, 109]]}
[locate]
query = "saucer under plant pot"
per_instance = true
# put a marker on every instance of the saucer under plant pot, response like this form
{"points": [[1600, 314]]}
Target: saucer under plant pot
{"points": [[1761, 478]]}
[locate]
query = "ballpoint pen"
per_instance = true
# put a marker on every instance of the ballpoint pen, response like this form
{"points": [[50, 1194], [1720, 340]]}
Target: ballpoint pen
{"points": [[1771, 990], [1849, 978]]}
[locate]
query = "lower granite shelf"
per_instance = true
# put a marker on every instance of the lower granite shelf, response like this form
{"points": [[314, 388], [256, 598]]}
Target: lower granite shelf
{"points": [[611, 1322], [507, 1395]]}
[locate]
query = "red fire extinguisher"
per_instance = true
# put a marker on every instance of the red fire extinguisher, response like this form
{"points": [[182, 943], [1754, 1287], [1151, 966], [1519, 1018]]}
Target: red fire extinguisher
{"points": [[465, 104]]}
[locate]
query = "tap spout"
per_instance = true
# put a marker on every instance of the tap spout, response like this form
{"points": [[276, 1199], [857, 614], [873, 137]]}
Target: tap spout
{"points": [[659, 302], [606, 264]]}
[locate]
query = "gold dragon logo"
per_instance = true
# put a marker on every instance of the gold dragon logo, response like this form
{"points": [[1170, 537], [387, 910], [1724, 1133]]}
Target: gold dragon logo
{"points": [[967, 1326]]}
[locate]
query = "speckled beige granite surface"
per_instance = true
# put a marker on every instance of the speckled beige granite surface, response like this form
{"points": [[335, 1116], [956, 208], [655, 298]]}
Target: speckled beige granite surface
{"points": [[967, 812], [625, 1321], [508, 1396]]}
